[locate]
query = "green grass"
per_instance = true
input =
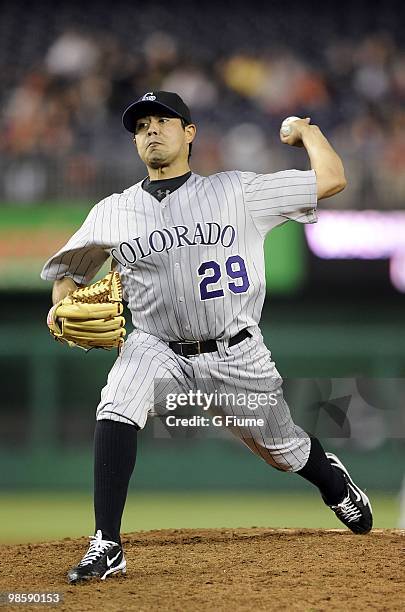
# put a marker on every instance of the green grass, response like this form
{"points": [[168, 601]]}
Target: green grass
{"points": [[29, 517]]}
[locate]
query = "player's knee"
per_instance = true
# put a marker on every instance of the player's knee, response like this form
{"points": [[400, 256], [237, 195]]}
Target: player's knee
{"points": [[289, 461]]}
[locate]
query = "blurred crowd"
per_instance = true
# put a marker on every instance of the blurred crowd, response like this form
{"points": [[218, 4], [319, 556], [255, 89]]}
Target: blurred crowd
{"points": [[60, 119]]}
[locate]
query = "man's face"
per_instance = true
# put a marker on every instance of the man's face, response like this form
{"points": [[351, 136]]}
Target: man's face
{"points": [[161, 140]]}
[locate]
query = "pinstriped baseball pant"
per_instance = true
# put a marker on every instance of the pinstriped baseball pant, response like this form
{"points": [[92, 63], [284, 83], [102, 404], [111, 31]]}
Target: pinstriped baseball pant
{"points": [[131, 393]]}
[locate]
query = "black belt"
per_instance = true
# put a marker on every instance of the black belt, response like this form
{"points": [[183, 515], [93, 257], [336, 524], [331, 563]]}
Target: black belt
{"points": [[193, 347]]}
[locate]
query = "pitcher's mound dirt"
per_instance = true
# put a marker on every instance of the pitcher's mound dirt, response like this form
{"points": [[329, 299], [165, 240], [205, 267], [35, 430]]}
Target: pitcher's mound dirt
{"points": [[222, 569]]}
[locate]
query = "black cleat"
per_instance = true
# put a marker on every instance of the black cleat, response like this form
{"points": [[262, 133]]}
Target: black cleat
{"points": [[103, 559], [355, 509]]}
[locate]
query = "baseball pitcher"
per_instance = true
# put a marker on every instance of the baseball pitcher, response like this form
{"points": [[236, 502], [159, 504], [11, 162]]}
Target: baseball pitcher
{"points": [[188, 259]]}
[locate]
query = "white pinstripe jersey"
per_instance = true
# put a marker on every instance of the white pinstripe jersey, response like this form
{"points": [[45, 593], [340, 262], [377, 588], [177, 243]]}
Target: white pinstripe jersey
{"points": [[192, 265]]}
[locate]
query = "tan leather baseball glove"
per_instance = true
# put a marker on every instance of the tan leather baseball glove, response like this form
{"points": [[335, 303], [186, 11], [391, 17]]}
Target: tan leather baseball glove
{"points": [[90, 317]]}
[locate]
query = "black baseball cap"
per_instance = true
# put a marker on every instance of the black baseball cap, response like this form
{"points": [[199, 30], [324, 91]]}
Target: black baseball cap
{"points": [[161, 101]]}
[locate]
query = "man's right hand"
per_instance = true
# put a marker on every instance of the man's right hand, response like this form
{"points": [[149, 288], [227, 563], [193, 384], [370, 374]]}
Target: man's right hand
{"points": [[295, 137]]}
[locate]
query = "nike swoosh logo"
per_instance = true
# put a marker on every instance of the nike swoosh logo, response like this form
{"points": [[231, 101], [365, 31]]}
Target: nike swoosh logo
{"points": [[357, 494], [111, 561]]}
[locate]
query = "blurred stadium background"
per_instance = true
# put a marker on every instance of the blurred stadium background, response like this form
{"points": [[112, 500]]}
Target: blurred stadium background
{"points": [[335, 306]]}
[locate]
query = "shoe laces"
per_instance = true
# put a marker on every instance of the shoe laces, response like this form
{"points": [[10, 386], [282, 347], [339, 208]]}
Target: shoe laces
{"points": [[97, 547], [347, 510]]}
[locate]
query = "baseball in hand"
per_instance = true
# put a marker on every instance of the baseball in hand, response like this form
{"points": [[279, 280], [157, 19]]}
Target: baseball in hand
{"points": [[286, 127]]}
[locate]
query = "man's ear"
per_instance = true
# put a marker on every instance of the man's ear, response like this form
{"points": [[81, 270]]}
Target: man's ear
{"points": [[190, 131]]}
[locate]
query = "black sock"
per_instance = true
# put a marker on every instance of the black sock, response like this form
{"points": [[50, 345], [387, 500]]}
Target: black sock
{"points": [[320, 472], [114, 462]]}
